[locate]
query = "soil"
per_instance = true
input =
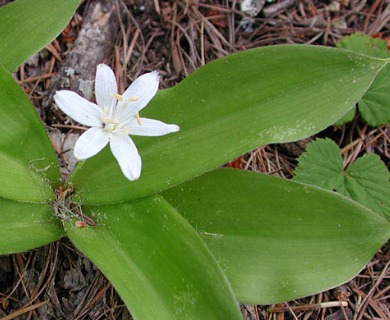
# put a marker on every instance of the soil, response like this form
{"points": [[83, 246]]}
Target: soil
{"points": [[177, 37]]}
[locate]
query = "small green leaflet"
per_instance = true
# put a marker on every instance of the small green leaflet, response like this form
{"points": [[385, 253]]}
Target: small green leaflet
{"points": [[375, 104], [366, 180], [361, 43]]}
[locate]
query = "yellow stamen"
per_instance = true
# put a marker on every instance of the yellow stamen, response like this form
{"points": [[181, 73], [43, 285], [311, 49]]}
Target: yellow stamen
{"points": [[138, 119], [126, 131], [131, 99], [117, 96], [105, 111]]}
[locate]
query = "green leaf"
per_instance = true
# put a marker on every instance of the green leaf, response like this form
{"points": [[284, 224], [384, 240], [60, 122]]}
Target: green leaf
{"points": [[364, 44], [26, 26], [28, 164], [232, 105], [348, 117], [156, 261], [365, 181], [375, 104], [321, 165], [278, 240], [25, 226]]}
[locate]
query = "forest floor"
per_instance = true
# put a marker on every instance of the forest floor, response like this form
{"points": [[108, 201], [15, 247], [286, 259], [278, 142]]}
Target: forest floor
{"points": [[175, 38]]}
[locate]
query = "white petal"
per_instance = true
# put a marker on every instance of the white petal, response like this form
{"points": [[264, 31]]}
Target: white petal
{"points": [[105, 86], [78, 108], [90, 143], [138, 95], [150, 127], [125, 151]]}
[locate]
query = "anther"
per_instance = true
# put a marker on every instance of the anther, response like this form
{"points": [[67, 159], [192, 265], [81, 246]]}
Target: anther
{"points": [[138, 119], [105, 111], [117, 96], [131, 99]]}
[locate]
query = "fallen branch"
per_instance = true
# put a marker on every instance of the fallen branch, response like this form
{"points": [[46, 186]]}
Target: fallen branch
{"points": [[93, 45]]}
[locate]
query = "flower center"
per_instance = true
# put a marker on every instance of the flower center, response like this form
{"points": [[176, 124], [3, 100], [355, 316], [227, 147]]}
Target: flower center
{"points": [[109, 124]]}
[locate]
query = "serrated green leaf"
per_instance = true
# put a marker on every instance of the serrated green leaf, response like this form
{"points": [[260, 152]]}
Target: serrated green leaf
{"points": [[25, 226], [365, 181], [364, 44], [232, 105], [156, 261], [321, 165], [278, 240], [28, 165], [375, 104], [26, 26]]}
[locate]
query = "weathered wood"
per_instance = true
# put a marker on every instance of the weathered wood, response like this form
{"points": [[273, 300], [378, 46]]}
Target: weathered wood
{"points": [[272, 9], [94, 44]]}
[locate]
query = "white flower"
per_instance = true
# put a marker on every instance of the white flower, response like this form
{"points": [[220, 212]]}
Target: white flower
{"points": [[114, 117]]}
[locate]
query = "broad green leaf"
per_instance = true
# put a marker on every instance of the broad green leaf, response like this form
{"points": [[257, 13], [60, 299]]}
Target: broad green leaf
{"points": [[156, 262], [28, 164], [271, 94], [375, 104], [25, 226], [348, 117], [365, 181], [278, 240], [26, 26]]}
